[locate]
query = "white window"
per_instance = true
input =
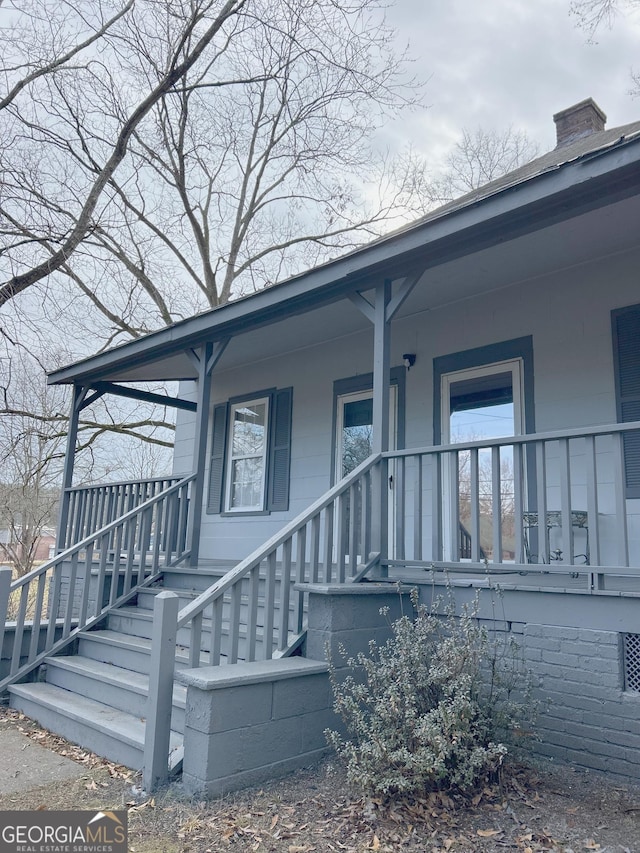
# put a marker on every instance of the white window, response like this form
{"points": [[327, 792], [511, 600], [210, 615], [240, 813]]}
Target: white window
{"points": [[247, 461]]}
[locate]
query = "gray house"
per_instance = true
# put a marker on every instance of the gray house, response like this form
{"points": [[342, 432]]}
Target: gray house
{"points": [[457, 400]]}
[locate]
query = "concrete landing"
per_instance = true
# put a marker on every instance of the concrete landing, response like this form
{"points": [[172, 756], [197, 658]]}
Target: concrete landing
{"points": [[25, 764]]}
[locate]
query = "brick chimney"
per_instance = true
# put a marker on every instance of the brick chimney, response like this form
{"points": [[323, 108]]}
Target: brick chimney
{"points": [[577, 121]]}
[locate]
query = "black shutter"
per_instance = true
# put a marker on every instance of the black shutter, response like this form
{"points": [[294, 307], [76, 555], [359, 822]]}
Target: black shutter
{"points": [[280, 451], [626, 353], [216, 462]]}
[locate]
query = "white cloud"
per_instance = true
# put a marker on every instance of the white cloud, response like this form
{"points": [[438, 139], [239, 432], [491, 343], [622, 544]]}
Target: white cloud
{"points": [[509, 62]]}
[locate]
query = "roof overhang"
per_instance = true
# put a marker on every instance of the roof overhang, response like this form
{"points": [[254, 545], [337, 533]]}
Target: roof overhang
{"points": [[587, 184]]}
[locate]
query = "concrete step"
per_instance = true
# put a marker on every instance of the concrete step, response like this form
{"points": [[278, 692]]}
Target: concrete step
{"points": [[128, 652], [195, 579], [131, 652], [114, 734], [111, 685]]}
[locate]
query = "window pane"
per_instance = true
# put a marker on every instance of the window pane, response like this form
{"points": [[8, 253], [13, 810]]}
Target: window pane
{"points": [[356, 447], [358, 413], [357, 433], [246, 483], [249, 430]]}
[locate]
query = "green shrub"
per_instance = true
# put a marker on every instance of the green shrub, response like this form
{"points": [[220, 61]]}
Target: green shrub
{"points": [[430, 709]]}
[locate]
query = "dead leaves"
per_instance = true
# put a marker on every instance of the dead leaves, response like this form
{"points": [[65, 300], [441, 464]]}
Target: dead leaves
{"points": [[62, 747], [255, 830], [488, 833]]}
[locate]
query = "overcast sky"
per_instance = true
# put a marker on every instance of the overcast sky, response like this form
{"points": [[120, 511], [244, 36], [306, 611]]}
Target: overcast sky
{"points": [[495, 63]]}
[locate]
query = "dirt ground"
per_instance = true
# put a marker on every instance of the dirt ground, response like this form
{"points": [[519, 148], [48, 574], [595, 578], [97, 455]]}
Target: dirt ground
{"points": [[539, 808]]}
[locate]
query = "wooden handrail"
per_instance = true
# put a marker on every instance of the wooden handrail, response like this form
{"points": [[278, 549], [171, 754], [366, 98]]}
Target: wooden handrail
{"points": [[509, 441], [73, 615], [83, 543], [270, 546]]}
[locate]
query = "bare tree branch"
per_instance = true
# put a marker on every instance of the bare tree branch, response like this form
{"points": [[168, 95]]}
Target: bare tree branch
{"points": [[176, 71], [63, 60]]}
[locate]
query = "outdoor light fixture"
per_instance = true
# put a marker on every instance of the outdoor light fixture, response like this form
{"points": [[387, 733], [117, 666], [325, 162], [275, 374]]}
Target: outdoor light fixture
{"points": [[409, 359]]}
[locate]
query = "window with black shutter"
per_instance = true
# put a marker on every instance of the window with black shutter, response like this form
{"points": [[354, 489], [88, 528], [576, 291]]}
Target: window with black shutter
{"points": [[251, 454], [626, 359]]}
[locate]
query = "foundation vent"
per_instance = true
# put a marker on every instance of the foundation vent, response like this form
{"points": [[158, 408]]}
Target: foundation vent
{"points": [[632, 662]]}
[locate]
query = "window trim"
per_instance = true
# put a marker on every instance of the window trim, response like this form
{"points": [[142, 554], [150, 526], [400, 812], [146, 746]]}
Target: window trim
{"points": [[277, 478], [513, 366], [632, 491], [510, 350], [228, 485], [360, 383]]}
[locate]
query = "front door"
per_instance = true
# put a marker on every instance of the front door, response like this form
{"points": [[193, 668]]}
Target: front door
{"points": [[480, 404], [354, 438]]}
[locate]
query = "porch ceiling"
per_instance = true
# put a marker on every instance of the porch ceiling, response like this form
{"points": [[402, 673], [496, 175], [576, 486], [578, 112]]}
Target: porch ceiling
{"points": [[576, 214], [524, 259]]}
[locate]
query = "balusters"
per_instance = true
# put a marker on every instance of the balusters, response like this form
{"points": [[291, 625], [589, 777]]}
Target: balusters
{"points": [[355, 509], [329, 514], [301, 551], [417, 508], [285, 595], [269, 603], [20, 620], [37, 616], [541, 498], [399, 515], [341, 538], [496, 504], [592, 499], [315, 549], [252, 611], [474, 503], [234, 623]]}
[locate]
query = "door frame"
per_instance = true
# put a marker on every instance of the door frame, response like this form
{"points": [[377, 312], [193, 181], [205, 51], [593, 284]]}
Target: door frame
{"points": [[483, 356], [516, 349], [364, 382], [362, 386]]}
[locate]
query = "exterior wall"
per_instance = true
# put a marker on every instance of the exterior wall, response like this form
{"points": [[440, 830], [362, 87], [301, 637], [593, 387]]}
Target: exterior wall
{"points": [[572, 644], [567, 314], [268, 718], [587, 718]]}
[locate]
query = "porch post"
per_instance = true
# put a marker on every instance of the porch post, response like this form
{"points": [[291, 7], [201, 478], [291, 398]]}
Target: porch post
{"points": [[381, 367], [199, 452], [205, 361], [79, 394]]}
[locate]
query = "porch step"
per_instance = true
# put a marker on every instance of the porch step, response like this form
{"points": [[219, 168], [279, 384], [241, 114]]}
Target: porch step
{"points": [[123, 650], [98, 696], [115, 734], [111, 685]]}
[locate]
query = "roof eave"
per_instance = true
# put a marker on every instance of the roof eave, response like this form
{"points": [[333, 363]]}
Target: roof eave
{"points": [[595, 180]]}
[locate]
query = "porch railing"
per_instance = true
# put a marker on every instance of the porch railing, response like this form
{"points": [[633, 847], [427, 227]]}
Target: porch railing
{"points": [[555, 499], [75, 589], [328, 543], [86, 509]]}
